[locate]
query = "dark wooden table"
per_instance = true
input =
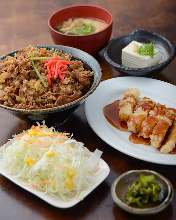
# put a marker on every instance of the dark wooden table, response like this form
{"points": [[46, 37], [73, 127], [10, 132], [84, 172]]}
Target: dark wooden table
{"points": [[25, 22]]}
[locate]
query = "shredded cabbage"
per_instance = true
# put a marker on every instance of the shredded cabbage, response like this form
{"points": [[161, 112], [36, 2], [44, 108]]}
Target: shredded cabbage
{"points": [[50, 161]]}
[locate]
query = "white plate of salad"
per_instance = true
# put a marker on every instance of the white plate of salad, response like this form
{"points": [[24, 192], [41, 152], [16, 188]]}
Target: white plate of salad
{"points": [[52, 165]]}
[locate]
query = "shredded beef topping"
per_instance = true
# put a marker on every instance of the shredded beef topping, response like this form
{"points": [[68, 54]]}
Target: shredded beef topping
{"points": [[20, 86]]}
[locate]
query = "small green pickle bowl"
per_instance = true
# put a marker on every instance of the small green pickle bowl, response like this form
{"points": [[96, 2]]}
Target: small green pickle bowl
{"points": [[121, 184]]}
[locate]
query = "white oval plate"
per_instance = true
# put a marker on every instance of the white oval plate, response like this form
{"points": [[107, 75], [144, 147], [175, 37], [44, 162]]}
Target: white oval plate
{"points": [[101, 174], [110, 90]]}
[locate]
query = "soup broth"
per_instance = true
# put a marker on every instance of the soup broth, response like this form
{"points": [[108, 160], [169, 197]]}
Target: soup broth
{"points": [[81, 26]]}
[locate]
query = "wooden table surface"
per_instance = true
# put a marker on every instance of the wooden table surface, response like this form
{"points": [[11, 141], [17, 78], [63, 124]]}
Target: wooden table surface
{"points": [[25, 22]]}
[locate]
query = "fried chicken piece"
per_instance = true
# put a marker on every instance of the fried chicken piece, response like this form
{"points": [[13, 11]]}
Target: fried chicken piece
{"points": [[159, 132], [165, 117], [147, 126], [171, 140], [141, 112], [128, 103]]}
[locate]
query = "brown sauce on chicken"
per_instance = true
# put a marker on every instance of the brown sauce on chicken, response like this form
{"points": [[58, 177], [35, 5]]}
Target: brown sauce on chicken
{"points": [[111, 114], [174, 151], [134, 138]]}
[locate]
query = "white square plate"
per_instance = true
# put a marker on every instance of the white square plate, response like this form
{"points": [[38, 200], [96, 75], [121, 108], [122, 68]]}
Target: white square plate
{"points": [[102, 172]]}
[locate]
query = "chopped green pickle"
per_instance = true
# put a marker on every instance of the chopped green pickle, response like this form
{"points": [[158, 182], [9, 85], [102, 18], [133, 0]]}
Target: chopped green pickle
{"points": [[147, 49], [143, 191]]}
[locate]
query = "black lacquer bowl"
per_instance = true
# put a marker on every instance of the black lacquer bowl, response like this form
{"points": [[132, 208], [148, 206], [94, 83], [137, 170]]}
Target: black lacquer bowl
{"points": [[113, 52], [57, 115]]}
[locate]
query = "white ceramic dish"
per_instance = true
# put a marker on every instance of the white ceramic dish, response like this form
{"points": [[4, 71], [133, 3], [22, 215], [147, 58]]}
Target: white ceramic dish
{"points": [[102, 172], [109, 91]]}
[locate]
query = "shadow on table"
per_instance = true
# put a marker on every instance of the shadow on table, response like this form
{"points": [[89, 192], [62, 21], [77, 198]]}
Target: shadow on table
{"points": [[164, 215]]}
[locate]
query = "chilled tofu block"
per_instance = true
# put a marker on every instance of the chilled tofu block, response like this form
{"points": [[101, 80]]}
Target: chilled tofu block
{"points": [[133, 59]]}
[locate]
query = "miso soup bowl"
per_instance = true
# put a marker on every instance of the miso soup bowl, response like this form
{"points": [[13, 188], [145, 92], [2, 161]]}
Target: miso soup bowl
{"points": [[91, 43]]}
